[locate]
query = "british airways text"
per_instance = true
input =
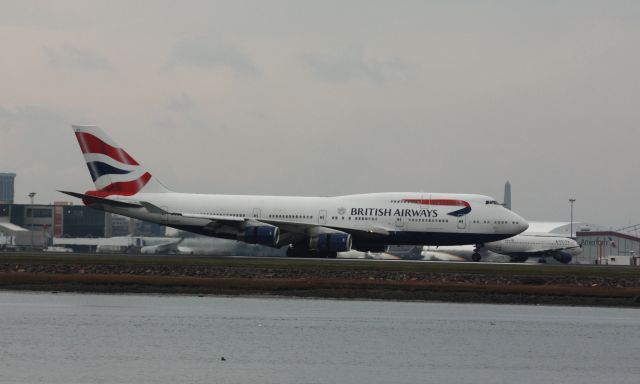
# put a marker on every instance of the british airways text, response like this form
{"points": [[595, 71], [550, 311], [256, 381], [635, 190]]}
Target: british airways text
{"points": [[396, 212]]}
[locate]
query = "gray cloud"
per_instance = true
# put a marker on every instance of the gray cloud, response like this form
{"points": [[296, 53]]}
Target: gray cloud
{"points": [[413, 96], [73, 58], [36, 145], [33, 118], [204, 55], [181, 113], [181, 103], [352, 65]]}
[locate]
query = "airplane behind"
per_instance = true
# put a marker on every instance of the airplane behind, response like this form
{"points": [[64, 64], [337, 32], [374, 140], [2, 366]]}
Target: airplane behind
{"points": [[170, 246], [524, 246], [518, 249], [308, 226]]}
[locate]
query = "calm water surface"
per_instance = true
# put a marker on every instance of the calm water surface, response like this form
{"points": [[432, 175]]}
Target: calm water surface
{"points": [[82, 338]]}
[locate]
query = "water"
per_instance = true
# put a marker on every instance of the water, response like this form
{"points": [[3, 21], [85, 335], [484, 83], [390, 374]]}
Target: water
{"points": [[82, 338]]}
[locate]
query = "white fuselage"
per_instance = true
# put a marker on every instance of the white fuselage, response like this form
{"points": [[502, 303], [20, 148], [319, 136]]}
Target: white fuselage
{"points": [[387, 215]]}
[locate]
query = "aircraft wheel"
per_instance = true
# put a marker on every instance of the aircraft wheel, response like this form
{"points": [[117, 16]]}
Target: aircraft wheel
{"points": [[297, 252], [476, 257]]}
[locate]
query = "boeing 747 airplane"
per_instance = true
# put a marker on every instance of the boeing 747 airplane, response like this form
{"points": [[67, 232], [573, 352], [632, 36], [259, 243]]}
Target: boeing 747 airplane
{"points": [[518, 248], [309, 226]]}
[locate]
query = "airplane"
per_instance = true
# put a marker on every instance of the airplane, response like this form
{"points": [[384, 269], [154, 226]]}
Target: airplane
{"points": [[170, 246], [308, 226], [517, 249], [521, 247]]}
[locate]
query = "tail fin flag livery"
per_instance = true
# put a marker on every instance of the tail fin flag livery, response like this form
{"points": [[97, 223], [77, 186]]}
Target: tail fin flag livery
{"points": [[113, 170]]}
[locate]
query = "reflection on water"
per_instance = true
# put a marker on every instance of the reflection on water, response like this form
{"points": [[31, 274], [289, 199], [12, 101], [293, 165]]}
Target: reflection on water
{"points": [[78, 338]]}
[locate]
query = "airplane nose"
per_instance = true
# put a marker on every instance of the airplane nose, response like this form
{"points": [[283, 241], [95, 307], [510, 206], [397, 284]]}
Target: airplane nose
{"points": [[521, 224]]}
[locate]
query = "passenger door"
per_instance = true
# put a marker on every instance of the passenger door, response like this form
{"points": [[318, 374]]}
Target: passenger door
{"points": [[462, 222], [322, 217]]}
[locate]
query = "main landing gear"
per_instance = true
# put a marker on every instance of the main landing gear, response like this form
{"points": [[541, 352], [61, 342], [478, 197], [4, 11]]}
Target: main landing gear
{"points": [[476, 256]]}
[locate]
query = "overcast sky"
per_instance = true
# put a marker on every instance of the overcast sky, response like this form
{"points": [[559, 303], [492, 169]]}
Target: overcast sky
{"points": [[333, 97]]}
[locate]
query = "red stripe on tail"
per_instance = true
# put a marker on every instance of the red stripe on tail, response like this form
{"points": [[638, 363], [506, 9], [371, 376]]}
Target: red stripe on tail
{"points": [[91, 144], [123, 188]]}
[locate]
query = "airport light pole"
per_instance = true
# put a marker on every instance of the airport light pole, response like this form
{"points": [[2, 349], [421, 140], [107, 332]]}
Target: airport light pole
{"points": [[571, 225]]}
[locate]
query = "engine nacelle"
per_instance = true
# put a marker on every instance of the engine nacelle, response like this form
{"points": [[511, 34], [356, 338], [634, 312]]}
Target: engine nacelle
{"points": [[260, 234], [563, 257], [331, 242]]}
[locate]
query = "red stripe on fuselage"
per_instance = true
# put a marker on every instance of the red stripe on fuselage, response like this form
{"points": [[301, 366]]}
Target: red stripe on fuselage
{"points": [[123, 188], [92, 144], [447, 202]]}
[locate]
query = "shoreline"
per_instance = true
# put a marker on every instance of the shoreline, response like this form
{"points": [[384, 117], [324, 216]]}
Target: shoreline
{"points": [[300, 278]]}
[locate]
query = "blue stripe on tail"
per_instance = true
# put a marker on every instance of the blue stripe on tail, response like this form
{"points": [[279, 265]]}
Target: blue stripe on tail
{"points": [[99, 169]]}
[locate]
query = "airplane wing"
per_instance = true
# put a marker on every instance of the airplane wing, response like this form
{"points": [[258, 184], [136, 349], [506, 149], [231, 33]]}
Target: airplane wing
{"points": [[155, 209], [290, 232]]}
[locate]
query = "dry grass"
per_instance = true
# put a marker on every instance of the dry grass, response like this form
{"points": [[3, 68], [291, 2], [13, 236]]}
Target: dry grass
{"points": [[338, 288]]}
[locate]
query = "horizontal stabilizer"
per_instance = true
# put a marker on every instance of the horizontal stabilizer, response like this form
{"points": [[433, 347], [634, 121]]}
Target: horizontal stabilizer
{"points": [[101, 200]]}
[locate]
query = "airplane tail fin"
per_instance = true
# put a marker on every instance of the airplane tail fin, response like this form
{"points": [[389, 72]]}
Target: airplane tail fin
{"points": [[113, 170]]}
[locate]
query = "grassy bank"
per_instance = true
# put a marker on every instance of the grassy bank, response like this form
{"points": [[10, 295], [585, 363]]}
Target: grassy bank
{"points": [[364, 279]]}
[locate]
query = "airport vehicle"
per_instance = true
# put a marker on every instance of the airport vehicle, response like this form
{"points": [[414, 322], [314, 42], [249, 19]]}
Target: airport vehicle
{"points": [[518, 248], [309, 226]]}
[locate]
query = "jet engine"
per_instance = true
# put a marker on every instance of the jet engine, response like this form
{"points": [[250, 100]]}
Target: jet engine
{"points": [[562, 257], [260, 234], [331, 242]]}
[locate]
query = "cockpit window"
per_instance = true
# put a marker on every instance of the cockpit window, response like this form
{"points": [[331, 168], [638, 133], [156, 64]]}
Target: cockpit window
{"points": [[492, 202]]}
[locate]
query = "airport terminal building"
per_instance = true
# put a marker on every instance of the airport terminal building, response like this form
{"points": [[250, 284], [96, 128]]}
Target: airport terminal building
{"points": [[608, 247], [599, 245], [33, 226], [7, 187]]}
